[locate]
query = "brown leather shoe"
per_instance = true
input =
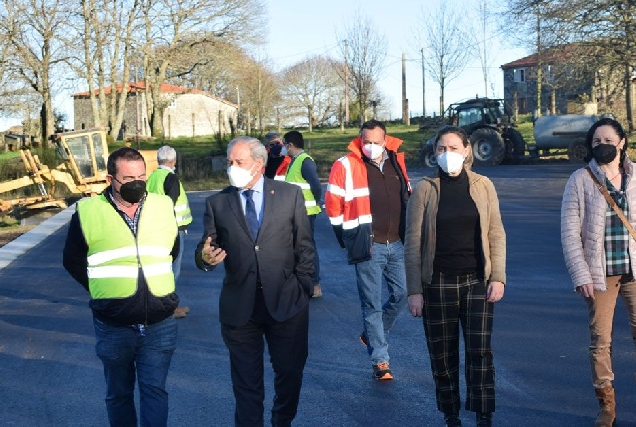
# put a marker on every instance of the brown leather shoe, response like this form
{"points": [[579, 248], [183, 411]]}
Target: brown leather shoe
{"points": [[180, 312], [317, 291]]}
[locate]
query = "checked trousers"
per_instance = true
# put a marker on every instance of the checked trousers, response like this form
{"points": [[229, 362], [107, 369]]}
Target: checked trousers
{"points": [[451, 301]]}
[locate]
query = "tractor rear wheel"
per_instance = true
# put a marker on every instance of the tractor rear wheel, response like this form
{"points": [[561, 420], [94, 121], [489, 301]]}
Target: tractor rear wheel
{"points": [[428, 158], [518, 143], [578, 151], [488, 147]]}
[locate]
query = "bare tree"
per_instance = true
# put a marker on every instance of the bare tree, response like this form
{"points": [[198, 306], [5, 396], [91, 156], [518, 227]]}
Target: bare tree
{"points": [[610, 26], [366, 52], [311, 87], [259, 88], [171, 27], [603, 30], [447, 44], [480, 37], [35, 54], [105, 56]]}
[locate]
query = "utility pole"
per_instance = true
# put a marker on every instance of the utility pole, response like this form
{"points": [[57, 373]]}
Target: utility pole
{"points": [[405, 102], [423, 86], [346, 81]]}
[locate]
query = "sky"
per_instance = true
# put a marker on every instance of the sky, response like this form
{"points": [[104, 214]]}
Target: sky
{"points": [[296, 31]]}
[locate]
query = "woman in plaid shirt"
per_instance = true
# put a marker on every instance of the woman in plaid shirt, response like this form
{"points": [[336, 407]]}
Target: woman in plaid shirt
{"points": [[598, 249]]}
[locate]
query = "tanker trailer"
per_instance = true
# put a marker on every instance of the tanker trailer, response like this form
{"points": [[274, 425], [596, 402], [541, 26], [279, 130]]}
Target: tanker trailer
{"points": [[564, 132]]}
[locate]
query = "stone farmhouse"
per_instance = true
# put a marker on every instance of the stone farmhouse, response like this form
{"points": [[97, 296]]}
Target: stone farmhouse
{"points": [[188, 112], [565, 87], [571, 84]]}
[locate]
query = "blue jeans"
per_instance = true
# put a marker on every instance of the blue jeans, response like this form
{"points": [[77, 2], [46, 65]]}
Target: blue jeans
{"points": [[387, 262], [146, 350], [176, 264]]}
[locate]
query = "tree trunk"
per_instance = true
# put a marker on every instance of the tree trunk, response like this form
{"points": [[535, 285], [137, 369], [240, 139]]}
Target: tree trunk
{"points": [[629, 98]]}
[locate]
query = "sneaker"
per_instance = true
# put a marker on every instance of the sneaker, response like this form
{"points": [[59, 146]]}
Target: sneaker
{"points": [[382, 372], [317, 291], [363, 339], [453, 421]]}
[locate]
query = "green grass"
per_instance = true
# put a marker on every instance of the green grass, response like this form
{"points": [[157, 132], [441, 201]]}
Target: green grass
{"points": [[5, 155], [328, 145], [325, 145]]}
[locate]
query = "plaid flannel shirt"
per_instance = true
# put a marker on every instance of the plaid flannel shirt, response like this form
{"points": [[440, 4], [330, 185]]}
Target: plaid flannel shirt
{"points": [[616, 235]]}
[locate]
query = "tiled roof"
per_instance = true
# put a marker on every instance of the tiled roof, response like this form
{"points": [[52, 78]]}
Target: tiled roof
{"points": [[551, 55], [133, 87]]}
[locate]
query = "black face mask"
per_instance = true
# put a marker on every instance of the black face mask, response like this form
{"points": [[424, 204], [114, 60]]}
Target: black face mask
{"points": [[133, 191], [275, 150], [604, 153]]}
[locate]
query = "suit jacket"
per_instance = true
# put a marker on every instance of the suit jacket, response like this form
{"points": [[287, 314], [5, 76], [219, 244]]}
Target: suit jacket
{"points": [[282, 256]]}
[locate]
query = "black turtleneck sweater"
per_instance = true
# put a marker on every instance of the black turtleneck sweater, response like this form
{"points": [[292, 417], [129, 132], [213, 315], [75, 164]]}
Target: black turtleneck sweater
{"points": [[458, 244]]}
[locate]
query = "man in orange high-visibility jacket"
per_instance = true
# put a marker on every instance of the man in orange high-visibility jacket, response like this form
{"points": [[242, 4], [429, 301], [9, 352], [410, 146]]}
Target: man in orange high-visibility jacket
{"points": [[366, 202]]}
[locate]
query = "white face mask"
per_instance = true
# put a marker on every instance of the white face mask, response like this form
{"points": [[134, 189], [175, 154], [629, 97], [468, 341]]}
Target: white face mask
{"points": [[450, 162], [372, 151], [283, 151], [239, 177]]}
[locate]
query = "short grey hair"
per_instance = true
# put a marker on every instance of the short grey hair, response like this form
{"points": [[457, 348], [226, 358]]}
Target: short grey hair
{"points": [[257, 149], [166, 154], [270, 136]]}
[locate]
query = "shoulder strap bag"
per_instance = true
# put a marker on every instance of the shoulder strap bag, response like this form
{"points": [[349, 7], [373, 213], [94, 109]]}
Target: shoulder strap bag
{"points": [[612, 203]]}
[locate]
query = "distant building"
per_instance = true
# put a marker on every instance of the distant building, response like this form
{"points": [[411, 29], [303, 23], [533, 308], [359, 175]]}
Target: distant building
{"points": [[566, 83], [189, 112]]}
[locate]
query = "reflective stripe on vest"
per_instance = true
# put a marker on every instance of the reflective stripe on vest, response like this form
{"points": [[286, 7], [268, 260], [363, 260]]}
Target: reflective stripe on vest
{"points": [[181, 207], [295, 176], [114, 255], [282, 169]]}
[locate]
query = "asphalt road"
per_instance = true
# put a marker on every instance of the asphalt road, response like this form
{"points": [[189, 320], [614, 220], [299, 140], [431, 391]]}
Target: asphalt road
{"points": [[50, 376]]}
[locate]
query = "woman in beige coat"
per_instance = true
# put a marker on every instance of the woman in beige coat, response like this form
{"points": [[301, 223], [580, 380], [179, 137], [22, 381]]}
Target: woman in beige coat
{"points": [[455, 255], [599, 252]]}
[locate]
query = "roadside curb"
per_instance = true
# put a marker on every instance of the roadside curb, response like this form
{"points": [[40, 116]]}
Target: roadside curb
{"points": [[17, 247]]}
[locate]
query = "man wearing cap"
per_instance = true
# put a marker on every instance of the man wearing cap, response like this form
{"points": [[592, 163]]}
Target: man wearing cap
{"points": [[277, 159]]}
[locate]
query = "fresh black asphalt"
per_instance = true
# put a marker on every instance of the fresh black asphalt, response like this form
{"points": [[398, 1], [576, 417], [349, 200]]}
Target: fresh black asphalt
{"points": [[50, 375]]}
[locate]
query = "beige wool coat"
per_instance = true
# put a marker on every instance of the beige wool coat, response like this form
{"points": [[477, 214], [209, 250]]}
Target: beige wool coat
{"points": [[583, 212], [420, 236]]}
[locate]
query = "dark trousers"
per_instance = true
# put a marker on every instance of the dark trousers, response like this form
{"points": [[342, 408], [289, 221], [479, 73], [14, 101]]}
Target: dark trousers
{"points": [[312, 222], [288, 349], [448, 302]]}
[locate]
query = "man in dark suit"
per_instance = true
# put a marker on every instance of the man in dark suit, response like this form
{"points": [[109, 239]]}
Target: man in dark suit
{"points": [[259, 228]]}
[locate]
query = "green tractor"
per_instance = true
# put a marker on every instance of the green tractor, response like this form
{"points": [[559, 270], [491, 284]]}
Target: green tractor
{"points": [[490, 131]]}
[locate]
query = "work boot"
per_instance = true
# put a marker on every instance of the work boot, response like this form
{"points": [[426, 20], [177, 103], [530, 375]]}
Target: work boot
{"points": [[607, 401], [484, 419]]}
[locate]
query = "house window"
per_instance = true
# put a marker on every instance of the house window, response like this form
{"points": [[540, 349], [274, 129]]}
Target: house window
{"points": [[547, 73], [520, 75]]}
